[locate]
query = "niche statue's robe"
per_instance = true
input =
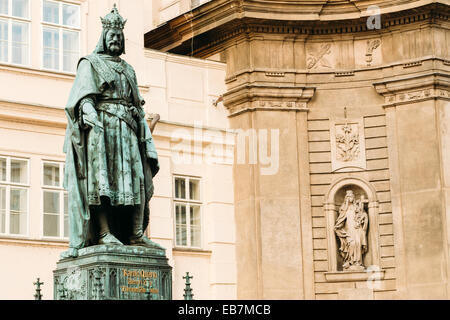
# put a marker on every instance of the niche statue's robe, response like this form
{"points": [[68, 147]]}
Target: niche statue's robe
{"points": [[116, 163]]}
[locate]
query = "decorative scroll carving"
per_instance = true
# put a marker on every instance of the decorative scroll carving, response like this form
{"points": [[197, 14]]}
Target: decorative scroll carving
{"points": [[347, 144], [351, 228], [317, 58], [371, 46]]}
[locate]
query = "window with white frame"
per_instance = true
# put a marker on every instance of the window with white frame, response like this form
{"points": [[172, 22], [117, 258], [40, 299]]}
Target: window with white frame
{"points": [[60, 35], [187, 206], [54, 201], [14, 186], [15, 31]]}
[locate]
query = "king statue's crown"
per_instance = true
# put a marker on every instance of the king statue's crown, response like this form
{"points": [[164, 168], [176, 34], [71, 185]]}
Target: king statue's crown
{"points": [[113, 20]]}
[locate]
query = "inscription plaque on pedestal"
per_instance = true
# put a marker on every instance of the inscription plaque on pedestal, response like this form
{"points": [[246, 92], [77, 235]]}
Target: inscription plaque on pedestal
{"points": [[111, 272]]}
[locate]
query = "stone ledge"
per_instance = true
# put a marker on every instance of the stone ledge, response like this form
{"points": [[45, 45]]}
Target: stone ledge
{"points": [[348, 276]]}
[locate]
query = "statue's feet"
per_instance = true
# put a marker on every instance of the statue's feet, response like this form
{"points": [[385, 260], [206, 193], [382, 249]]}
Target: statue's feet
{"points": [[108, 238], [71, 253], [144, 242]]}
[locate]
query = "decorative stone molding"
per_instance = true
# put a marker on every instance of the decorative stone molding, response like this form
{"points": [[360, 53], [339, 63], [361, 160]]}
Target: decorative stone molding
{"points": [[344, 74], [416, 88], [264, 97], [347, 144], [275, 74], [281, 104], [412, 64]]}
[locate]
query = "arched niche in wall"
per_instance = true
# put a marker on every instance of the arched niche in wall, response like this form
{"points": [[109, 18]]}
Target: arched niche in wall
{"points": [[334, 199]]}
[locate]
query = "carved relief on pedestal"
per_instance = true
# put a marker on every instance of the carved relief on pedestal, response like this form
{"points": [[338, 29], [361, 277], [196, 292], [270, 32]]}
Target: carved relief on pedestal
{"points": [[347, 144], [318, 56]]}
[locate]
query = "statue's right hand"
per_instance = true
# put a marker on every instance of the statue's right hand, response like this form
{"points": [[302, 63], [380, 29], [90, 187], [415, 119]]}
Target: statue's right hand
{"points": [[91, 120]]}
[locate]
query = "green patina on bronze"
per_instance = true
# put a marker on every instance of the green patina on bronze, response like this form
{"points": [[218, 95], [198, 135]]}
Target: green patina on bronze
{"points": [[110, 155]]}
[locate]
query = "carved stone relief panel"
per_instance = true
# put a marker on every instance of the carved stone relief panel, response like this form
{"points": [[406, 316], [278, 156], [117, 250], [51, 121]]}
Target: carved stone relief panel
{"points": [[368, 52], [348, 148], [320, 56]]}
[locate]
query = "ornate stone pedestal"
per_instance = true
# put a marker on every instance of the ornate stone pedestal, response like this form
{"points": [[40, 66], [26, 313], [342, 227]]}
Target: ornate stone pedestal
{"points": [[112, 272]]}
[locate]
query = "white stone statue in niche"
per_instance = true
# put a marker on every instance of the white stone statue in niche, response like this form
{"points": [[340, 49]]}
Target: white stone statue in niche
{"points": [[351, 228]]}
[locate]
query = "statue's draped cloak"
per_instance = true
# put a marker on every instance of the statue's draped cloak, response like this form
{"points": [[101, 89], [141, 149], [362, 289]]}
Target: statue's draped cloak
{"points": [[93, 78], [355, 237]]}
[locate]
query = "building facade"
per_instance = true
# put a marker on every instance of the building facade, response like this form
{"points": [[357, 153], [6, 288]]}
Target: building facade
{"points": [[357, 94], [192, 211]]}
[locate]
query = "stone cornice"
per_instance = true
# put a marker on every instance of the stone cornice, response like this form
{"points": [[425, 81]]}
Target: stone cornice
{"points": [[250, 97], [202, 30], [414, 88]]}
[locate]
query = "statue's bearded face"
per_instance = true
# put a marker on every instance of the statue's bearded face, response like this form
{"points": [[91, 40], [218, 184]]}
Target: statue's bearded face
{"points": [[114, 41]]}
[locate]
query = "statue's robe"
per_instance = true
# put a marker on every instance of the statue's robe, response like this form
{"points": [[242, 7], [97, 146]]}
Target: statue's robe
{"points": [[116, 164], [352, 234]]}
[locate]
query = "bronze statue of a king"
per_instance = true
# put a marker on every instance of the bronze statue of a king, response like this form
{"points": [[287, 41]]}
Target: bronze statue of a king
{"points": [[110, 155]]}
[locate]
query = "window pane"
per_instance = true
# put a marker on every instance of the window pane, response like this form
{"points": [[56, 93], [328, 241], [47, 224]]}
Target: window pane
{"points": [[18, 211], [19, 43], [51, 202], [51, 225], [19, 171], [51, 48], [180, 188], [4, 41], [51, 12], [20, 8], [2, 210], [181, 228], [195, 225], [2, 169], [194, 187], [4, 6], [71, 15], [51, 174], [70, 51]]}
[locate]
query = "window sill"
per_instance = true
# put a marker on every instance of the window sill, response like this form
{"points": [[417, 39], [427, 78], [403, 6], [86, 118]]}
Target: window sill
{"points": [[349, 276], [30, 70], [25, 240], [183, 250]]}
